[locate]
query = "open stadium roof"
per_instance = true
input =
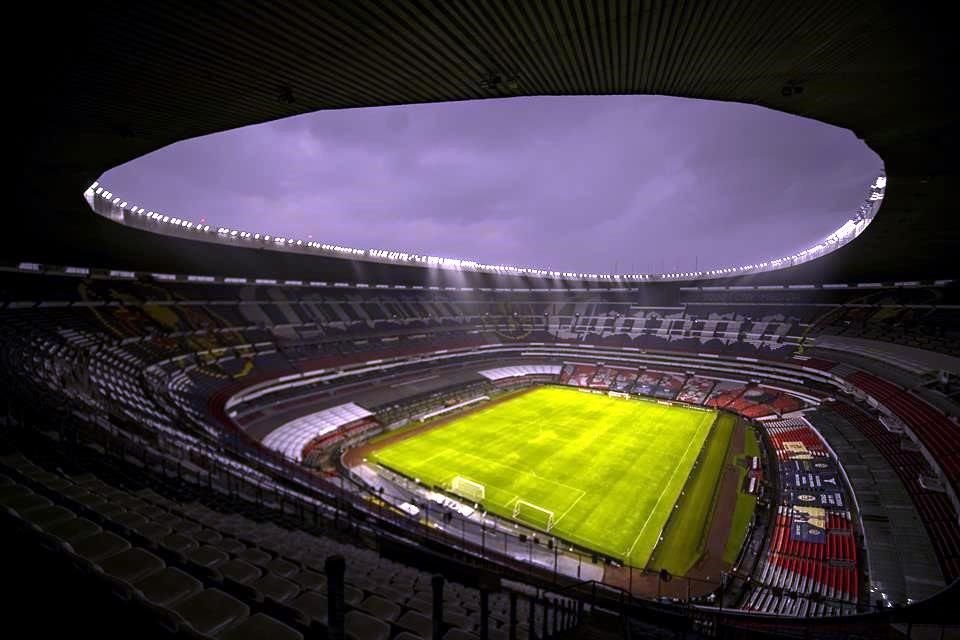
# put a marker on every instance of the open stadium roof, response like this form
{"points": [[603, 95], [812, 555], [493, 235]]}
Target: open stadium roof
{"points": [[102, 83]]}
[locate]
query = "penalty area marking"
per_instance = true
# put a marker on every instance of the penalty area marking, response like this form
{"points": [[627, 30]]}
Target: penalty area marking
{"points": [[518, 471], [521, 472], [662, 493], [485, 500], [564, 514], [430, 458], [455, 452]]}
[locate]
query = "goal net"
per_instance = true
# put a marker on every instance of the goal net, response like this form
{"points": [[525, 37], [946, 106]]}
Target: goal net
{"points": [[468, 488], [533, 514]]}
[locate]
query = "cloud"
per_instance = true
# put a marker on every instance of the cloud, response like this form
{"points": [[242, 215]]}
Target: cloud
{"points": [[577, 183]]}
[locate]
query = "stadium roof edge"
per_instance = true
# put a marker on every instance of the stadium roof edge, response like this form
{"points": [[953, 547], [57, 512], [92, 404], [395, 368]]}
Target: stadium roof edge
{"points": [[128, 79]]}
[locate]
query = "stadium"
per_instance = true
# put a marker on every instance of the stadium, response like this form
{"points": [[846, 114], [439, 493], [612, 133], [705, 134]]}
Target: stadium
{"points": [[219, 433]]}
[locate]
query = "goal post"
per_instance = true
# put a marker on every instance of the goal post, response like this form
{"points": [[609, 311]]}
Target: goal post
{"points": [[534, 514], [468, 488]]}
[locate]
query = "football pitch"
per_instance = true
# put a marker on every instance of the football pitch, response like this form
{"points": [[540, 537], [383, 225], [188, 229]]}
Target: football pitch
{"points": [[598, 471]]}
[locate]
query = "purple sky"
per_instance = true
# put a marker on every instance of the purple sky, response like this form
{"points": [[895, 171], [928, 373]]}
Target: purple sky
{"points": [[596, 184]]}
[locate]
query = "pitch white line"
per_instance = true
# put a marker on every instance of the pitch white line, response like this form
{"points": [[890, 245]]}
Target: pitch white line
{"points": [[431, 457], [564, 514], [520, 471], [662, 493]]}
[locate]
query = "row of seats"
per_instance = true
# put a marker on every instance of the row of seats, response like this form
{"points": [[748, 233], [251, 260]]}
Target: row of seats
{"points": [[934, 508], [938, 434], [794, 431], [810, 566], [226, 575], [176, 599], [131, 318], [777, 601], [929, 329], [838, 584], [747, 400], [838, 542]]}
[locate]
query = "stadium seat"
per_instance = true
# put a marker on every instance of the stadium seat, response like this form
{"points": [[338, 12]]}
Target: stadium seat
{"points": [[208, 537], [421, 601], [208, 612], [255, 556], [12, 490], [229, 545], [380, 608], [307, 579], [152, 533], [260, 627], [417, 623], [99, 546], [238, 571], [128, 521], [47, 516], [311, 608], [178, 546], [282, 568], [131, 566], [18, 505], [67, 531], [274, 587], [352, 595], [360, 626], [167, 587]]}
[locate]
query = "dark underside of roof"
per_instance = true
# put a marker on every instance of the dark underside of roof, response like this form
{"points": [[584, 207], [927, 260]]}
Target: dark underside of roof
{"points": [[93, 85]]}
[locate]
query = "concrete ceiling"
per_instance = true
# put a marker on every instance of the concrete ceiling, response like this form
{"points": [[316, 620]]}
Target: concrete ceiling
{"points": [[94, 85]]}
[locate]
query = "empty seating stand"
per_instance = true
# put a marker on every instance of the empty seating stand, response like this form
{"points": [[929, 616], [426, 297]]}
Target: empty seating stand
{"points": [[198, 571], [934, 508], [799, 577], [936, 432]]}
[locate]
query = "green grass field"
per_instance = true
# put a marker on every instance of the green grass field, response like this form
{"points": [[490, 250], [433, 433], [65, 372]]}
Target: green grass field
{"points": [[684, 539], [609, 469]]}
